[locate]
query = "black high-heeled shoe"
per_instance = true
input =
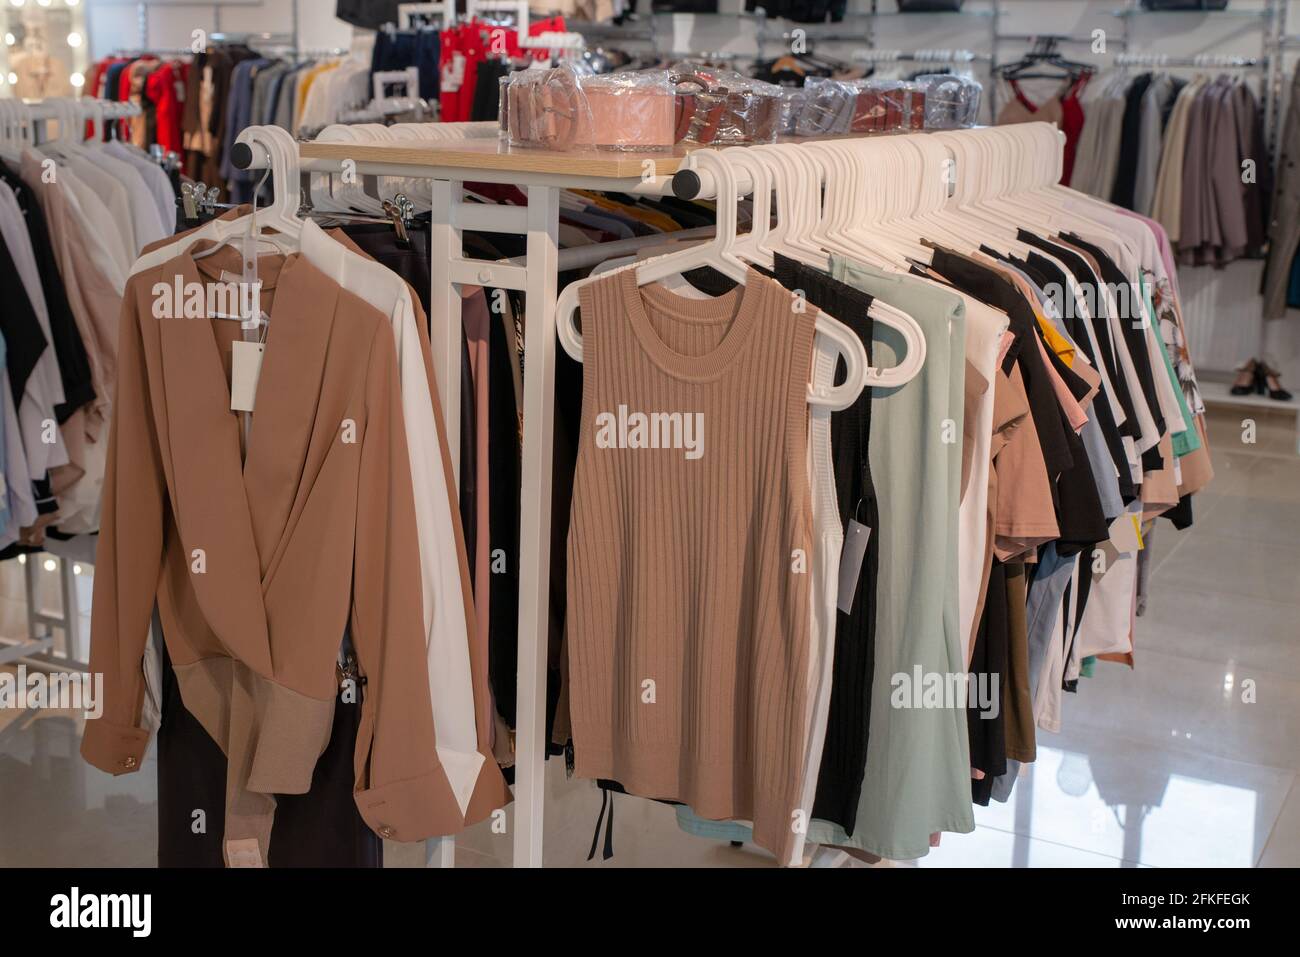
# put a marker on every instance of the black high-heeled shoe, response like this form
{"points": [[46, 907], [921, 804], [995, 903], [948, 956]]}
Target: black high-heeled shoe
{"points": [[1270, 382], [1247, 378]]}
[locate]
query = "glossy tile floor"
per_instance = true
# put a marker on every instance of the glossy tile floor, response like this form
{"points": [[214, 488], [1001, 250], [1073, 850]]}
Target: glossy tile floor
{"points": [[1190, 760]]}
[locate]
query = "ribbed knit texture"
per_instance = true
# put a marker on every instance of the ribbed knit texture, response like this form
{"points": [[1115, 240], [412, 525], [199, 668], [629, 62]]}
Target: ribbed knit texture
{"points": [[681, 571]]}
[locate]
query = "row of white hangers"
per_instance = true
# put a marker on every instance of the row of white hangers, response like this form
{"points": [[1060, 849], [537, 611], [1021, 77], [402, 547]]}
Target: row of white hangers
{"points": [[871, 199], [18, 121]]}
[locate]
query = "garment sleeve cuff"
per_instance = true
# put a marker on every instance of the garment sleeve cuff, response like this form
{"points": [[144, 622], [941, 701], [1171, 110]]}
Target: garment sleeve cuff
{"points": [[411, 810], [115, 748]]}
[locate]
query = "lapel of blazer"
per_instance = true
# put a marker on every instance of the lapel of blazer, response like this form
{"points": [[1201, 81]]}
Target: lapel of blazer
{"points": [[286, 444], [208, 496]]}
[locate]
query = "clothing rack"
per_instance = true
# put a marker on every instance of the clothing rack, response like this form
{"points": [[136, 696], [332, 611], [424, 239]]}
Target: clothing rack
{"points": [[169, 53], [39, 115], [62, 556], [919, 56], [541, 174], [406, 12], [1209, 60], [251, 38], [518, 9]]}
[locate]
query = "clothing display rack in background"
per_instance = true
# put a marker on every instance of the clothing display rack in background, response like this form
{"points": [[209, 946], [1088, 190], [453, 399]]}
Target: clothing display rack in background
{"points": [[941, 56], [1215, 61], [1270, 20], [38, 123]]}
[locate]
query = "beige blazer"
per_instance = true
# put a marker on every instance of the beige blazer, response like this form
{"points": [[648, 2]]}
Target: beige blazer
{"points": [[487, 788], [258, 567]]}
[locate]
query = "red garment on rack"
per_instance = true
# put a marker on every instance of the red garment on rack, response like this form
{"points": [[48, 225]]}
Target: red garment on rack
{"points": [[1066, 112], [463, 47], [1072, 124], [95, 85], [163, 88]]}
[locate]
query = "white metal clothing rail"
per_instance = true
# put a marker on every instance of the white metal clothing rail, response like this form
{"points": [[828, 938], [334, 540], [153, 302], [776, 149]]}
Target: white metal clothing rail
{"points": [[536, 277]]}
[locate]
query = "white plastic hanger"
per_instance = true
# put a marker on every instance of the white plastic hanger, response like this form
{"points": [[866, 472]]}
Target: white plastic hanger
{"points": [[801, 173], [335, 196], [751, 246], [787, 200], [283, 206], [10, 130], [842, 181], [282, 157], [861, 227], [805, 173], [719, 256]]}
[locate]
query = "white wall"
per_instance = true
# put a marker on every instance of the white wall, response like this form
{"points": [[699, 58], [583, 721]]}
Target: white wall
{"points": [[115, 24]]}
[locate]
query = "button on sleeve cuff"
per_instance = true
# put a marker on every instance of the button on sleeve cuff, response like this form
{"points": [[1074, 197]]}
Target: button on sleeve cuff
{"points": [[411, 810], [115, 748]]}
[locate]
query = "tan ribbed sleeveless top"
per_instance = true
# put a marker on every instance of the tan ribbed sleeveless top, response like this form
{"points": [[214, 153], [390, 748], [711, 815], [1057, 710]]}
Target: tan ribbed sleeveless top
{"points": [[689, 549]]}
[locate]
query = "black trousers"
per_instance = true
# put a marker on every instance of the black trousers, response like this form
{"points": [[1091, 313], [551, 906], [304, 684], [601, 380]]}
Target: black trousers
{"points": [[321, 828]]}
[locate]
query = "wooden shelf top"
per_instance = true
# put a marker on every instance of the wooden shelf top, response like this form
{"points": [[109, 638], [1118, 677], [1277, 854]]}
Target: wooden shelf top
{"points": [[491, 154]]}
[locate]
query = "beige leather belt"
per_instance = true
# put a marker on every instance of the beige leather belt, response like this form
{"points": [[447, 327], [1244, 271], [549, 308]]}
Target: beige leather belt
{"points": [[557, 109]]}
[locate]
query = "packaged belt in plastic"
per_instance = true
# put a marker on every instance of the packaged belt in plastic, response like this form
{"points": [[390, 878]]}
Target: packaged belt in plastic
{"points": [[563, 109], [825, 109], [724, 108], [884, 105], [951, 102]]}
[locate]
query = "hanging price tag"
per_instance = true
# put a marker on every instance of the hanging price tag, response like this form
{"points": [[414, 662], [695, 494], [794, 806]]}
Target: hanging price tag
{"points": [[855, 549], [246, 366]]}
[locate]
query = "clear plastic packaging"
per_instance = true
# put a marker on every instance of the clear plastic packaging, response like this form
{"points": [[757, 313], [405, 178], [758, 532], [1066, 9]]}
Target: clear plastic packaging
{"points": [[503, 112], [565, 109], [793, 102], [827, 107], [881, 106], [725, 108], [952, 102]]}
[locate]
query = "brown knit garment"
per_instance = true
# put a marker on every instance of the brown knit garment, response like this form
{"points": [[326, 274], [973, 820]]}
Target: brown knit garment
{"points": [[682, 570]]}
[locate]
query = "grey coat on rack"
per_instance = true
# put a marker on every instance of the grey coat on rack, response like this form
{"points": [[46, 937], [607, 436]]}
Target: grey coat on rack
{"points": [[1284, 223]]}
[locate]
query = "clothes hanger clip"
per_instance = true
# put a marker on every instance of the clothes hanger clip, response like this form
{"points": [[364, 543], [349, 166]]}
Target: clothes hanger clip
{"points": [[188, 205], [396, 215]]}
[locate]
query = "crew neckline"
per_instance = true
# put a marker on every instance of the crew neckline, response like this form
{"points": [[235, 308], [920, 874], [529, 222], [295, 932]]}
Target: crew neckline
{"points": [[738, 308]]}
